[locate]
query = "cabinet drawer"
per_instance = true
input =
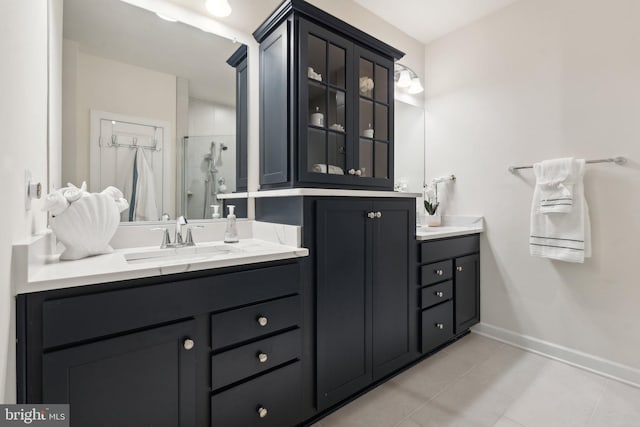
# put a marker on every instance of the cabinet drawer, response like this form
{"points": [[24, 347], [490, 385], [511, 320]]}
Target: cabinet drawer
{"points": [[437, 272], [437, 250], [251, 322], [437, 326], [279, 393], [435, 294], [72, 319], [242, 362]]}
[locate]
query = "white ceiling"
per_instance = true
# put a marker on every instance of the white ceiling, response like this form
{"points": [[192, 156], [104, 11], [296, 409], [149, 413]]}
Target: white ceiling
{"points": [[427, 20], [125, 33], [424, 20]]}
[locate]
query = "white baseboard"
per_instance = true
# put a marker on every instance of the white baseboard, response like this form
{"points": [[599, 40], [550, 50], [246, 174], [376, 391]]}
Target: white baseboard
{"points": [[588, 362]]}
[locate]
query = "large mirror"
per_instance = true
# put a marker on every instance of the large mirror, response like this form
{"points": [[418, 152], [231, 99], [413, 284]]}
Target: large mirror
{"points": [[150, 106], [409, 155]]}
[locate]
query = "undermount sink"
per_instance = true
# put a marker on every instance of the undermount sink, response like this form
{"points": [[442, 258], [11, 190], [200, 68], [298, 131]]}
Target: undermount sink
{"points": [[188, 253]]}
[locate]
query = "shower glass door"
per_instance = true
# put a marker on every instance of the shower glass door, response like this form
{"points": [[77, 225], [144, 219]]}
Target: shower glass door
{"points": [[209, 169]]}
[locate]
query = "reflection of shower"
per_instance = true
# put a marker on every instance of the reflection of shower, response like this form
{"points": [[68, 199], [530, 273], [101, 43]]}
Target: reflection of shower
{"points": [[212, 162]]}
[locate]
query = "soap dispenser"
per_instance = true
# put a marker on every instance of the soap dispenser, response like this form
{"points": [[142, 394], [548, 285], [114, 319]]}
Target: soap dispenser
{"points": [[231, 232]]}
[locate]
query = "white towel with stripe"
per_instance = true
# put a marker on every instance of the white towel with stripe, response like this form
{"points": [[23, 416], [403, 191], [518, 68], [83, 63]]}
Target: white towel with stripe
{"points": [[555, 179], [565, 236]]}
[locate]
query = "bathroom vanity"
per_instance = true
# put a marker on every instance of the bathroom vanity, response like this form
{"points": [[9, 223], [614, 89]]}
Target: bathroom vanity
{"points": [[272, 333]]}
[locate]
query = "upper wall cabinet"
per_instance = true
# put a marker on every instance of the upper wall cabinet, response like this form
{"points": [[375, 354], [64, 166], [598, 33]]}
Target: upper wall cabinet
{"points": [[326, 102]]}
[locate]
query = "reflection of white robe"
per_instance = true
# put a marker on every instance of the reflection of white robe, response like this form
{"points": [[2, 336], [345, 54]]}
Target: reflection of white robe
{"points": [[144, 206]]}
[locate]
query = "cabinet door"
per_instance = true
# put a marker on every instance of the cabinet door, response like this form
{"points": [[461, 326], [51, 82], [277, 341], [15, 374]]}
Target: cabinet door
{"points": [[393, 310], [325, 106], [274, 106], [467, 292], [141, 379], [343, 331], [373, 152], [242, 126]]}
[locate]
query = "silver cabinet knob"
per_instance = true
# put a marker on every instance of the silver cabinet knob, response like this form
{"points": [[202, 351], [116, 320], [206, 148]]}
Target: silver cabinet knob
{"points": [[440, 325], [262, 321], [378, 214], [439, 272], [459, 268], [262, 411], [352, 171], [371, 215], [358, 172], [188, 344], [440, 294], [262, 357]]}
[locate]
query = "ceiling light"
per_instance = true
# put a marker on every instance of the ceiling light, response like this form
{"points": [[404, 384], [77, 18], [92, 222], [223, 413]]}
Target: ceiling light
{"points": [[415, 86], [220, 8], [404, 80], [166, 18]]}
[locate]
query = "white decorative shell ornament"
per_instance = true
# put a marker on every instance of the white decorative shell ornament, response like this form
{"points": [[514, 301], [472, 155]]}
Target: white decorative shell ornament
{"points": [[87, 226]]}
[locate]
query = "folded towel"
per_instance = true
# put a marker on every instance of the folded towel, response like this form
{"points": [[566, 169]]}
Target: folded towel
{"points": [[322, 168], [72, 194], [55, 202], [113, 192], [555, 179], [122, 204], [565, 237]]}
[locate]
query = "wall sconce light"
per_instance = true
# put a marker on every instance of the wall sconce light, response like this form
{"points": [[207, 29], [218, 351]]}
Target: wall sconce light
{"points": [[407, 79], [220, 8]]}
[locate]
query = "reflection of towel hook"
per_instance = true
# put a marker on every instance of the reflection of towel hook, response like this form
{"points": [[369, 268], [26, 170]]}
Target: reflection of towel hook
{"points": [[114, 139]]}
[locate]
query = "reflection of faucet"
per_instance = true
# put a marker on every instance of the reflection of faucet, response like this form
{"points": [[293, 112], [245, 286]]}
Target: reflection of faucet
{"points": [[178, 241]]}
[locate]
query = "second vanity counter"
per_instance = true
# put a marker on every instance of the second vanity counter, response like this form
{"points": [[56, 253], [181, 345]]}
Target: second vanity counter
{"points": [[452, 226]]}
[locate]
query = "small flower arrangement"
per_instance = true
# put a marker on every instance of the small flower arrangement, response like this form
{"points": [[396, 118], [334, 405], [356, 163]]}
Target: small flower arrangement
{"points": [[431, 203]]}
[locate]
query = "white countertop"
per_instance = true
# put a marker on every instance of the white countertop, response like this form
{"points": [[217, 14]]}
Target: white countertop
{"points": [[452, 226], [56, 274], [291, 192]]}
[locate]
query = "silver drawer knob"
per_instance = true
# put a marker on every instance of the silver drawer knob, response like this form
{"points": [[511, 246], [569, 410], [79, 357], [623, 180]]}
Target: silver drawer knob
{"points": [[371, 215], [262, 357], [358, 172], [440, 294], [459, 268], [262, 321], [378, 214], [439, 272], [352, 171], [440, 325], [262, 412], [188, 344]]}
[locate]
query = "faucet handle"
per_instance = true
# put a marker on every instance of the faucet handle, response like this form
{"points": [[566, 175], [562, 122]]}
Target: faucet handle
{"points": [[189, 240], [166, 239]]}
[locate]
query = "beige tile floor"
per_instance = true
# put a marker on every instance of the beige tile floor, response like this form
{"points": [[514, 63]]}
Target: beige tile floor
{"points": [[479, 382]]}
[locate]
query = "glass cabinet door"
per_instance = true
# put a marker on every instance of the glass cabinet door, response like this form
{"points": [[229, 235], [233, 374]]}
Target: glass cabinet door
{"points": [[325, 117], [375, 121]]}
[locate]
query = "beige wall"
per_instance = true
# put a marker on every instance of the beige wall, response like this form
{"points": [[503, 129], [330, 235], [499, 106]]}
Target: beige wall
{"points": [[543, 79], [23, 108], [96, 83]]}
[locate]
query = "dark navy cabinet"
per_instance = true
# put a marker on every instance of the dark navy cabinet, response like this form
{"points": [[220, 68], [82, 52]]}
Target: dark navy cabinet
{"points": [[219, 347], [326, 98], [239, 61], [365, 300], [449, 283]]}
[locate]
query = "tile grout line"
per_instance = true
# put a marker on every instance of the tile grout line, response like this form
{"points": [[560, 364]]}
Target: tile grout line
{"points": [[449, 384]]}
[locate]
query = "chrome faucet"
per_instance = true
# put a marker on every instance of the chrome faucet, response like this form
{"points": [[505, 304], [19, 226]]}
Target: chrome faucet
{"points": [[179, 241]]}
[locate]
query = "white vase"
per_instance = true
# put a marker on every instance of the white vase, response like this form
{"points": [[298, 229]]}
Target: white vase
{"points": [[434, 220], [87, 226]]}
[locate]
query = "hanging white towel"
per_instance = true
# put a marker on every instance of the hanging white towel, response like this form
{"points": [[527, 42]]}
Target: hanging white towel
{"points": [[145, 206], [126, 161], [562, 236], [555, 180]]}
